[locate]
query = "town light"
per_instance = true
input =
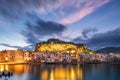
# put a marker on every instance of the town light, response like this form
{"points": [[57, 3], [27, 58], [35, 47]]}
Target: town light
{"points": [[6, 58]]}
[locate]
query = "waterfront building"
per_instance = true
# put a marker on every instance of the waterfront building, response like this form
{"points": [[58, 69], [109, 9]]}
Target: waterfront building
{"points": [[12, 55], [27, 56], [42, 57]]}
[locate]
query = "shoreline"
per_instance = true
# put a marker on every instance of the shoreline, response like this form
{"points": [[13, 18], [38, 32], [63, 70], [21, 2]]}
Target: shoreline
{"points": [[10, 63], [16, 63]]}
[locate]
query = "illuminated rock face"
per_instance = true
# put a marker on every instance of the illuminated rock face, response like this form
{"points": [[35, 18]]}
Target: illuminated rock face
{"points": [[57, 46]]}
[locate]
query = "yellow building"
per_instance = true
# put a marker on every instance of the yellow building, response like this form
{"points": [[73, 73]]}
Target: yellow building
{"points": [[12, 55]]}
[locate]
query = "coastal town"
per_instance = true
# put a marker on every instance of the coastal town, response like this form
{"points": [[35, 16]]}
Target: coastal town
{"points": [[59, 39], [56, 51], [20, 56]]}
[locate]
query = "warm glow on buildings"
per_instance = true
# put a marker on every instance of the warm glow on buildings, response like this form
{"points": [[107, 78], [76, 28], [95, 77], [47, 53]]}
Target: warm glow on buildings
{"points": [[6, 58]]}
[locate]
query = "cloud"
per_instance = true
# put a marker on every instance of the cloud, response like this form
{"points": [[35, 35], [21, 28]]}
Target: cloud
{"points": [[107, 39], [101, 40], [95, 42], [66, 11], [85, 35], [29, 47], [66, 35], [88, 7], [35, 32], [17, 9], [87, 31], [7, 45]]}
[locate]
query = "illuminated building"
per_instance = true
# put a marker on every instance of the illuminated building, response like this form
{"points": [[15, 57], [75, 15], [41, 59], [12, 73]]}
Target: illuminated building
{"points": [[12, 56]]}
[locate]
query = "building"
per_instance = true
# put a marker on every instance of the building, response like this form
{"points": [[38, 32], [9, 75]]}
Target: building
{"points": [[12, 55]]}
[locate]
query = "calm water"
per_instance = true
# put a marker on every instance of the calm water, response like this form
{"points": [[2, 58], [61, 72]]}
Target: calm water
{"points": [[63, 72]]}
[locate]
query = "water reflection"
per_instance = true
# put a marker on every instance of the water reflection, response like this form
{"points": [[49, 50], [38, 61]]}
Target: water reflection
{"points": [[44, 72], [63, 72], [3, 67]]}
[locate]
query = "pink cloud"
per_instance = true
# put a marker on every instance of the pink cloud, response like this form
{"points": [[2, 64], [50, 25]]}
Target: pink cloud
{"points": [[48, 7], [89, 7]]}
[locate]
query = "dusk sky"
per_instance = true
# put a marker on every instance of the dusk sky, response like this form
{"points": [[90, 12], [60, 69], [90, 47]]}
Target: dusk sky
{"points": [[23, 23]]}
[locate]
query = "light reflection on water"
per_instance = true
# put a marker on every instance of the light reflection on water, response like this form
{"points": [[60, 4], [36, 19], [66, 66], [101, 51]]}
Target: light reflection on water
{"points": [[44, 72], [63, 72]]}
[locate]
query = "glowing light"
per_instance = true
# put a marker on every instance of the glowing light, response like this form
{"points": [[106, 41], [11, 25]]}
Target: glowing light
{"points": [[3, 67], [44, 75], [6, 58], [18, 69], [6, 67], [52, 75], [60, 48], [72, 74], [62, 73]]}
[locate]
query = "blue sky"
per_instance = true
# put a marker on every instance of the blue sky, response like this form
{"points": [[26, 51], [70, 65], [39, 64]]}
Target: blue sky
{"points": [[23, 23]]}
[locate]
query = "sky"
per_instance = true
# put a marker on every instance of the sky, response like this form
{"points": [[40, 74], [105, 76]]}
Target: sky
{"points": [[23, 23]]}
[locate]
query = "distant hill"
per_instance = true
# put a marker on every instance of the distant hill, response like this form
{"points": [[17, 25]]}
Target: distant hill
{"points": [[109, 50], [56, 45]]}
